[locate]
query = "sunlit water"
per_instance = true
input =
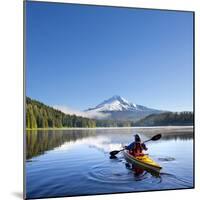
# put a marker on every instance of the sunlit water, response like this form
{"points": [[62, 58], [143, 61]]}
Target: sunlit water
{"points": [[76, 162]]}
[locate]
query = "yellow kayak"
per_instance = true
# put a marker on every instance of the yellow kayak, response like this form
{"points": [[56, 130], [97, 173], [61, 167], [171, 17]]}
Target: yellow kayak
{"points": [[144, 162]]}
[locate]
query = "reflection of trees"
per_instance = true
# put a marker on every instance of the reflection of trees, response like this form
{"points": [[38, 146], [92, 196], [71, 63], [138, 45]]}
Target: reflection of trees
{"points": [[178, 137], [40, 141], [37, 142]]}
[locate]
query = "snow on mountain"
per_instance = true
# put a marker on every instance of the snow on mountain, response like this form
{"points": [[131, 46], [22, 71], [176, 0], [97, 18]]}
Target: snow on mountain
{"points": [[117, 103], [119, 108]]}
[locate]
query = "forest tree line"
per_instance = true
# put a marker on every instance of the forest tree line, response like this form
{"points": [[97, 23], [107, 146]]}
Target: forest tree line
{"points": [[167, 119], [39, 115]]}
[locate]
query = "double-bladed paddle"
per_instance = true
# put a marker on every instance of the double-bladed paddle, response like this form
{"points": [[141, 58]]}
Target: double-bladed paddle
{"points": [[154, 138]]}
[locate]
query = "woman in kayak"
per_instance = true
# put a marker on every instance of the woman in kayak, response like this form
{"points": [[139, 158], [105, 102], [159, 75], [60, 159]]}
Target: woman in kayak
{"points": [[136, 148]]}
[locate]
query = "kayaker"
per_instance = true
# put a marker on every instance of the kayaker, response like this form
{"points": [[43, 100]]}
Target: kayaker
{"points": [[136, 148]]}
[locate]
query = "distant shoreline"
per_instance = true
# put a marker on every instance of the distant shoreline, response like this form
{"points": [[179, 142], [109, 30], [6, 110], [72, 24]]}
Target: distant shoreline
{"points": [[101, 128]]}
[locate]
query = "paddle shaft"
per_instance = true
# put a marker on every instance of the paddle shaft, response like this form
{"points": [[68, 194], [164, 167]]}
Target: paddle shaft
{"points": [[146, 141], [154, 138], [142, 143], [117, 151]]}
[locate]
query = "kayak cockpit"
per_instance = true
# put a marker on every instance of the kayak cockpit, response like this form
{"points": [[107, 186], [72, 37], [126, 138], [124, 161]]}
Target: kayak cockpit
{"points": [[144, 162]]}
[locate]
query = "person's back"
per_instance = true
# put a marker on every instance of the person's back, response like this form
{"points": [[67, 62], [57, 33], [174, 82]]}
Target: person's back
{"points": [[136, 148]]}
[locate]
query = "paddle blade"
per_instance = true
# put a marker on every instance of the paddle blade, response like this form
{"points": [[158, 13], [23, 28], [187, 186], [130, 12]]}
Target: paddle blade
{"points": [[113, 153], [113, 157], [156, 137]]}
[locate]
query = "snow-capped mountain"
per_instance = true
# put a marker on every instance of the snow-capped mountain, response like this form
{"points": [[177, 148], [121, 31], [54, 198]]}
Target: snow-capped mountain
{"points": [[118, 108]]}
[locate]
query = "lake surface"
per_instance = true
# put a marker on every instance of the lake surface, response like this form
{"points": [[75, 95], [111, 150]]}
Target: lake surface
{"points": [[76, 162]]}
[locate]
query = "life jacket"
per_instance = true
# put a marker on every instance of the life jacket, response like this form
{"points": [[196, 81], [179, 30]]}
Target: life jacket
{"points": [[137, 150]]}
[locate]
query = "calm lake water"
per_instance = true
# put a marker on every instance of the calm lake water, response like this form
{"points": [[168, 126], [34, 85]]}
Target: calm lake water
{"points": [[76, 162]]}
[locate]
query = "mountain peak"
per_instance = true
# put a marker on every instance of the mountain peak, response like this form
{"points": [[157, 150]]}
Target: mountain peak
{"points": [[116, 97], [119, 108], [115, 103], [119, 98]]}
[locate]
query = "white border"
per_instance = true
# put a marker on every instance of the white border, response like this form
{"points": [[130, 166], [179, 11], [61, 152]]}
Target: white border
{"points": [[11, 100]]}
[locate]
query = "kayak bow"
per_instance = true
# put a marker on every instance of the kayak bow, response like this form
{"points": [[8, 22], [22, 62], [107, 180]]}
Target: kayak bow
{"points": [[144, 162]]}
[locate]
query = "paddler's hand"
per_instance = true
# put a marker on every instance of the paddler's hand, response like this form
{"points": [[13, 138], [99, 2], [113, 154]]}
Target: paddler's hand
{"points": [[144, 147]]}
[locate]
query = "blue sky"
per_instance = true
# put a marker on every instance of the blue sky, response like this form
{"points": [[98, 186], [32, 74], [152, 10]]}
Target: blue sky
{"points": [[79, 56]]}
